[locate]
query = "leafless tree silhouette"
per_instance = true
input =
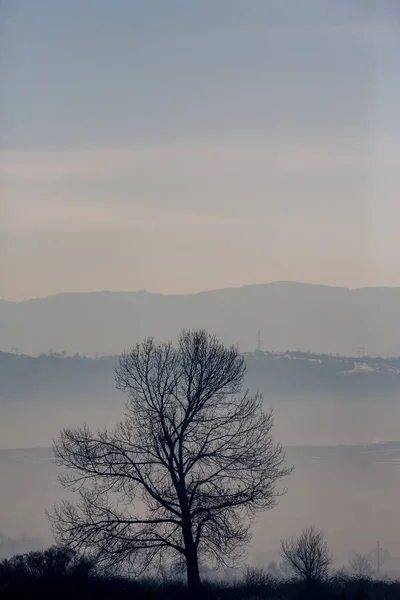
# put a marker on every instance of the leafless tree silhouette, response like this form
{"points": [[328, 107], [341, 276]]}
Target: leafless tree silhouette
{"points": [[361, 566], [308, 555], [194, 448]]}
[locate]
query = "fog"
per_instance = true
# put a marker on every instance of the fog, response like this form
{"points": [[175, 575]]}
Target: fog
{"points": [[298, 421], [329, 401], [337, 430], [351, 492]]}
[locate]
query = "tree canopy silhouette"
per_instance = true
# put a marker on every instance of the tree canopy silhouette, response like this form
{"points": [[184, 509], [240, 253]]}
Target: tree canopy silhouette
{"points": [[183, 473], [308, 555]]}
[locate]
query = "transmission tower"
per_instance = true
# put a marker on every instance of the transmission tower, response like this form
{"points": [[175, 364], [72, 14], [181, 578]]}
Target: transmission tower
{"points": [[378, 557], [259, 341]]}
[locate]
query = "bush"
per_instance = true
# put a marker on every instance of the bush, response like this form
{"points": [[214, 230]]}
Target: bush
{"points": [[60, 574]]}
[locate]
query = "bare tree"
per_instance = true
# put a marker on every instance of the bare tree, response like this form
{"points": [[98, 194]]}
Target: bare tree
{"points": [[361, 566], [308, 555], [194, 448]]}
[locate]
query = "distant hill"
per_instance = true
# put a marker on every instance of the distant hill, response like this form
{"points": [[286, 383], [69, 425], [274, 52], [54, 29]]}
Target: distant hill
{"points": [[293, 374], [317, 399], [289, 315]]}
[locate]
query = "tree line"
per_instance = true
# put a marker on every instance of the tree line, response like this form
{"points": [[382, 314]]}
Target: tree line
{"points": [[64, 574]]}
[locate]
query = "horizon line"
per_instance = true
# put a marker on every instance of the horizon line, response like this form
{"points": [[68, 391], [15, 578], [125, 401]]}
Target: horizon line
{"points": [[206, 291]]}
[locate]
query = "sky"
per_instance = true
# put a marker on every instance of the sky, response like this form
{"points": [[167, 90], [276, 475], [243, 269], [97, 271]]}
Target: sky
{"points": [[181, 146]]}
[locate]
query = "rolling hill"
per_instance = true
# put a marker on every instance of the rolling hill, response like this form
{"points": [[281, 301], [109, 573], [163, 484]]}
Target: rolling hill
{"points": [[289, 315]]}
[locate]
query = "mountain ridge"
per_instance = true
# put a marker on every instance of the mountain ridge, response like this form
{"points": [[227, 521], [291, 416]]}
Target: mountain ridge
{"points": [[279, 282], [289, 314]]}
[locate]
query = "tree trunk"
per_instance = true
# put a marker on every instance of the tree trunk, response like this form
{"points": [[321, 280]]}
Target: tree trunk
{"points": [[192, 566], [193, 576]]}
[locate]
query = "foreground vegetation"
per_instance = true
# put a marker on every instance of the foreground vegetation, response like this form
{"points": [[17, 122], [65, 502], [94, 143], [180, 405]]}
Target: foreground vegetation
{"points": [[59, 573]]}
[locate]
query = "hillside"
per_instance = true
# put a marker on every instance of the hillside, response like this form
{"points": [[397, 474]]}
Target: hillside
{"points": [[293, 374], [317, 399], [289, 315]]}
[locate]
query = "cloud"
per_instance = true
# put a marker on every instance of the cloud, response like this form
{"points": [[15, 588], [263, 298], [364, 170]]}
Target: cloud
{"points": [[101, 163], [111, 188]]}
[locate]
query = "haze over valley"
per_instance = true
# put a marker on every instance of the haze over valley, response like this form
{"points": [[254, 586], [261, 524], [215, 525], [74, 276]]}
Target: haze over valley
{"points": [[199, 290], [337, 417]]}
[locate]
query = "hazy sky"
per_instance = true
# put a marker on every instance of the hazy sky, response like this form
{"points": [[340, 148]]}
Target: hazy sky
{"points": [[181, 145]]}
